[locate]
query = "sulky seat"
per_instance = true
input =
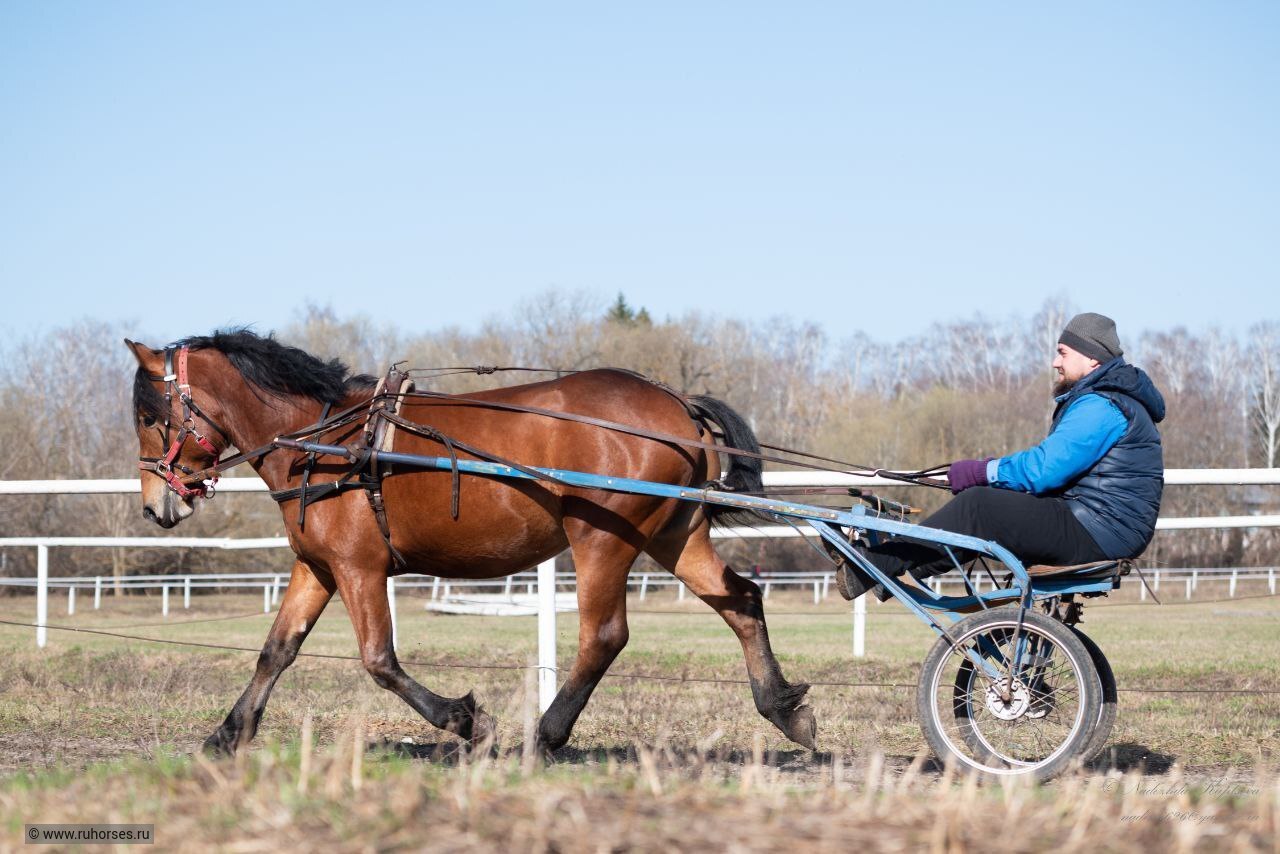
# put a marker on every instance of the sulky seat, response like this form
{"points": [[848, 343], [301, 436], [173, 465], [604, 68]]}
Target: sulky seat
{"points": [[1098, 569]]}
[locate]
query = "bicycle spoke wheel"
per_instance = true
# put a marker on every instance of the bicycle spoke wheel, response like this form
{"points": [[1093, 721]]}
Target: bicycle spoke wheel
{"points": [[1003, 701]]}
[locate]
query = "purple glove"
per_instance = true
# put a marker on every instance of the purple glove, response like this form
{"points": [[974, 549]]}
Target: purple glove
{"points": [[967, 473]]}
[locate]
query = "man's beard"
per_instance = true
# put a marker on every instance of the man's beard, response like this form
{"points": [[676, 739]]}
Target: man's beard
{"points": [[1061, 387]]}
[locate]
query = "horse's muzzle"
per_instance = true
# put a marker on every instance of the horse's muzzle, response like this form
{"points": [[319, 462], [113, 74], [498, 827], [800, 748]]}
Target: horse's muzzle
{"points": [[170, 513], [163, 522]]}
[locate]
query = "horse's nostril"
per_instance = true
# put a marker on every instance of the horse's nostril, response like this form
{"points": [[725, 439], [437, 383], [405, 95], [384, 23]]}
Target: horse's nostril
{"points": [[149, 514]]}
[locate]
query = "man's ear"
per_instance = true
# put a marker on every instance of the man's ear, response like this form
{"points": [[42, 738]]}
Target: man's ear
{"points": [[151, 361]]}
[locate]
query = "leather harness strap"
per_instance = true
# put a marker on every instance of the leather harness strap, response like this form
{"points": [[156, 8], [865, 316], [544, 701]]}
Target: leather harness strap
{"points": [[378, 436], [306, 475]]}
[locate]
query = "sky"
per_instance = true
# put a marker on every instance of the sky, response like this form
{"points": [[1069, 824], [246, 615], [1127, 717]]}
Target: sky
{"points": [[874, 167]]}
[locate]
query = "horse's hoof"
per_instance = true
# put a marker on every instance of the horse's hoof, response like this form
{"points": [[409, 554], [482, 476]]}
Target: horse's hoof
{"points": [[802, 727], [547, 743], [484, 729], [218, 747], [544, 752]]}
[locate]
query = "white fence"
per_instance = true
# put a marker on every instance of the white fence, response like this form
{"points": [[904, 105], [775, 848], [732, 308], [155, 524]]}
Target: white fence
{"points": [[546, 578]]}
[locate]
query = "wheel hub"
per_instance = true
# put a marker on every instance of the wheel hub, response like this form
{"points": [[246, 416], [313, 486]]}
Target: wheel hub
{"points": [[1017, 705]]}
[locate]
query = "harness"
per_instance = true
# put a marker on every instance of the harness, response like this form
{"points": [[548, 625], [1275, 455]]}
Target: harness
{"points": [[381, 417]]}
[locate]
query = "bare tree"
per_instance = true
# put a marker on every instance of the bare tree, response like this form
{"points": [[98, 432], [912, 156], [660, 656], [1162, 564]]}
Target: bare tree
{"points": [[1264, 354], [1226, 388], [1047, 325]]}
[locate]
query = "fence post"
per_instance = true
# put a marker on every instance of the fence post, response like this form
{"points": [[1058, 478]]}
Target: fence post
{"points": [[42, 595], [860, 626], [1271, 581], [97, 592], [164, 600], [644, 585], [186, 592], [506, 591], [1156, 585], [1195, 579], [266, 598], [1188, 588], [1231, 590], [391, 605], [816, 597], [1142, 592], [71, 600], [680, 589], [275, 590], [826, 584], [546, 633]]}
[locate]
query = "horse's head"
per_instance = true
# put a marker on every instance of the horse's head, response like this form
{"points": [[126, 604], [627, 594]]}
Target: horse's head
{"points": [[177, 437]]}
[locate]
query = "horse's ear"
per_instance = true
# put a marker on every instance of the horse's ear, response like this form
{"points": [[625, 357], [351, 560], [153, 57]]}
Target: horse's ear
{"points": [[148, 359]]}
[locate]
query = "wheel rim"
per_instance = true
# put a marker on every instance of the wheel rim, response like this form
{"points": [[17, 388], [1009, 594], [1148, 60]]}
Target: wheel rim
{"points": [[1015, 731]]}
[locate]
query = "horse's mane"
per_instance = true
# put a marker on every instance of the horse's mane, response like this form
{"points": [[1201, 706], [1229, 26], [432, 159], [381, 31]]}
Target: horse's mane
{"points": [[266, 363]]}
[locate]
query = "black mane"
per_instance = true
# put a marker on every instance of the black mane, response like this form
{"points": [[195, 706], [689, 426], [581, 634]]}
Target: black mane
{"points": [[266, 363]]}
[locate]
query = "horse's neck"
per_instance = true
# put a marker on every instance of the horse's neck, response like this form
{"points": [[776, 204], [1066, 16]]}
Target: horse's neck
{"points": [[259, 423]]}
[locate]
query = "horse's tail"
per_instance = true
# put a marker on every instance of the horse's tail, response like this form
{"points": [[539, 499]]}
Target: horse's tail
{"points": [[745, 474]]}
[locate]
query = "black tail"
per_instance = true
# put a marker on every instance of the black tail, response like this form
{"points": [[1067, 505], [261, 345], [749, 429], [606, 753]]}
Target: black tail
{"points": [[745, 473]]}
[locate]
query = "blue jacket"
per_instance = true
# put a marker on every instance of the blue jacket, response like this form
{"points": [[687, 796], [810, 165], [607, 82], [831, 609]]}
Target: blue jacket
{"points": [[1102, 455]]}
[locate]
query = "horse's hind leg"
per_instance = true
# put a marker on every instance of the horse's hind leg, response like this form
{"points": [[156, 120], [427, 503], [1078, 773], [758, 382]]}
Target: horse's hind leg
{"points": [[602, 562], [303, 602], [689, 555], [365, 595]]}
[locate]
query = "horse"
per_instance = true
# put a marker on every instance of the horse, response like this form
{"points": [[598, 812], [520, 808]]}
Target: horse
{"points": [[238, 388]]}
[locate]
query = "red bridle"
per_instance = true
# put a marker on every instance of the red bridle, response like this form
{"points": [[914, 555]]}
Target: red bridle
{"points": [[176, 385]]}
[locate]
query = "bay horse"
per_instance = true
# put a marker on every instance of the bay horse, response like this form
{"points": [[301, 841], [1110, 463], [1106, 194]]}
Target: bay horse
{"points": [[237, 388]]}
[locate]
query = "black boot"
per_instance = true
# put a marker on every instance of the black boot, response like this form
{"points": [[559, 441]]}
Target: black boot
{"points": [[853, 581]]}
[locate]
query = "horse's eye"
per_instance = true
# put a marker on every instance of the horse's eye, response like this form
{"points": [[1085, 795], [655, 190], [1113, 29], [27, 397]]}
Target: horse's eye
{"points": [[148, 421]]}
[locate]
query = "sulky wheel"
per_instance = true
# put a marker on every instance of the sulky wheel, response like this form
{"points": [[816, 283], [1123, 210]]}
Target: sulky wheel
{"points": [[1036, 722], [1108, 708]]}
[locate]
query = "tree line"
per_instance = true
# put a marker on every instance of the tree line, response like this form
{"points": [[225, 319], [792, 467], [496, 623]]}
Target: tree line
{"points": [[970, 388]]}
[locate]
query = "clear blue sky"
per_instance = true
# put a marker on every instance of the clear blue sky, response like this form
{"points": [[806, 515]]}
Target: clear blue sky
{"points": [[875, 166]]}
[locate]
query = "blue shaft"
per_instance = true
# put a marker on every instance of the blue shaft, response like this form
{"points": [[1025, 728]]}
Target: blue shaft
{"points": [[587, 480]]}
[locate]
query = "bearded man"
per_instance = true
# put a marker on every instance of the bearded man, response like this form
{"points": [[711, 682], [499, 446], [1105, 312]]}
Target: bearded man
{"points": [[1089, 492]]}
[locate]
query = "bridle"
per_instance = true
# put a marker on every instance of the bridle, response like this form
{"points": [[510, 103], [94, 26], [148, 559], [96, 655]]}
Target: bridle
{"points": [[176, 385]]}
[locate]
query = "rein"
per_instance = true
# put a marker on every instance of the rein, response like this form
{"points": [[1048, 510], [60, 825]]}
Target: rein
{"points": [[923, 477], [381, 408]]}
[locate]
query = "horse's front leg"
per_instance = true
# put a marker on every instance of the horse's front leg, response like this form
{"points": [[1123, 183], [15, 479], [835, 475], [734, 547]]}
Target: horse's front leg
{"points": [[302, 605], [364, 593]]}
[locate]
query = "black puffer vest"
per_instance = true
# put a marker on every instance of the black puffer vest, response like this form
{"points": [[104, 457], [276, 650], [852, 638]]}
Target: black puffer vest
{"points": [[1118, 500]]}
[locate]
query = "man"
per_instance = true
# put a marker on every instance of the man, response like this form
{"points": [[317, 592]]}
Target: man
{"points": [[1089, 492]]}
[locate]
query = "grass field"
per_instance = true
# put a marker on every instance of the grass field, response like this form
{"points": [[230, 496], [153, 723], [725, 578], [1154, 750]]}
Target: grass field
{"points": [[95, 728]]}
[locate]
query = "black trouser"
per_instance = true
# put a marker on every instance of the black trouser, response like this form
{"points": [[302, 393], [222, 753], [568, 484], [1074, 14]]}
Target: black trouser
{"points": [[1037, 529]]}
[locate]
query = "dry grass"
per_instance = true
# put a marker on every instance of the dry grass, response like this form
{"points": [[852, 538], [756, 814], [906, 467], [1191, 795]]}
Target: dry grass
{"points": [[95, 728], [353, 796]]}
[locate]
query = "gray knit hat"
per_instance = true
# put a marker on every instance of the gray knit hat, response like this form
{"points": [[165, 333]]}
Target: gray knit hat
{"points": [[1094, 335]]}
